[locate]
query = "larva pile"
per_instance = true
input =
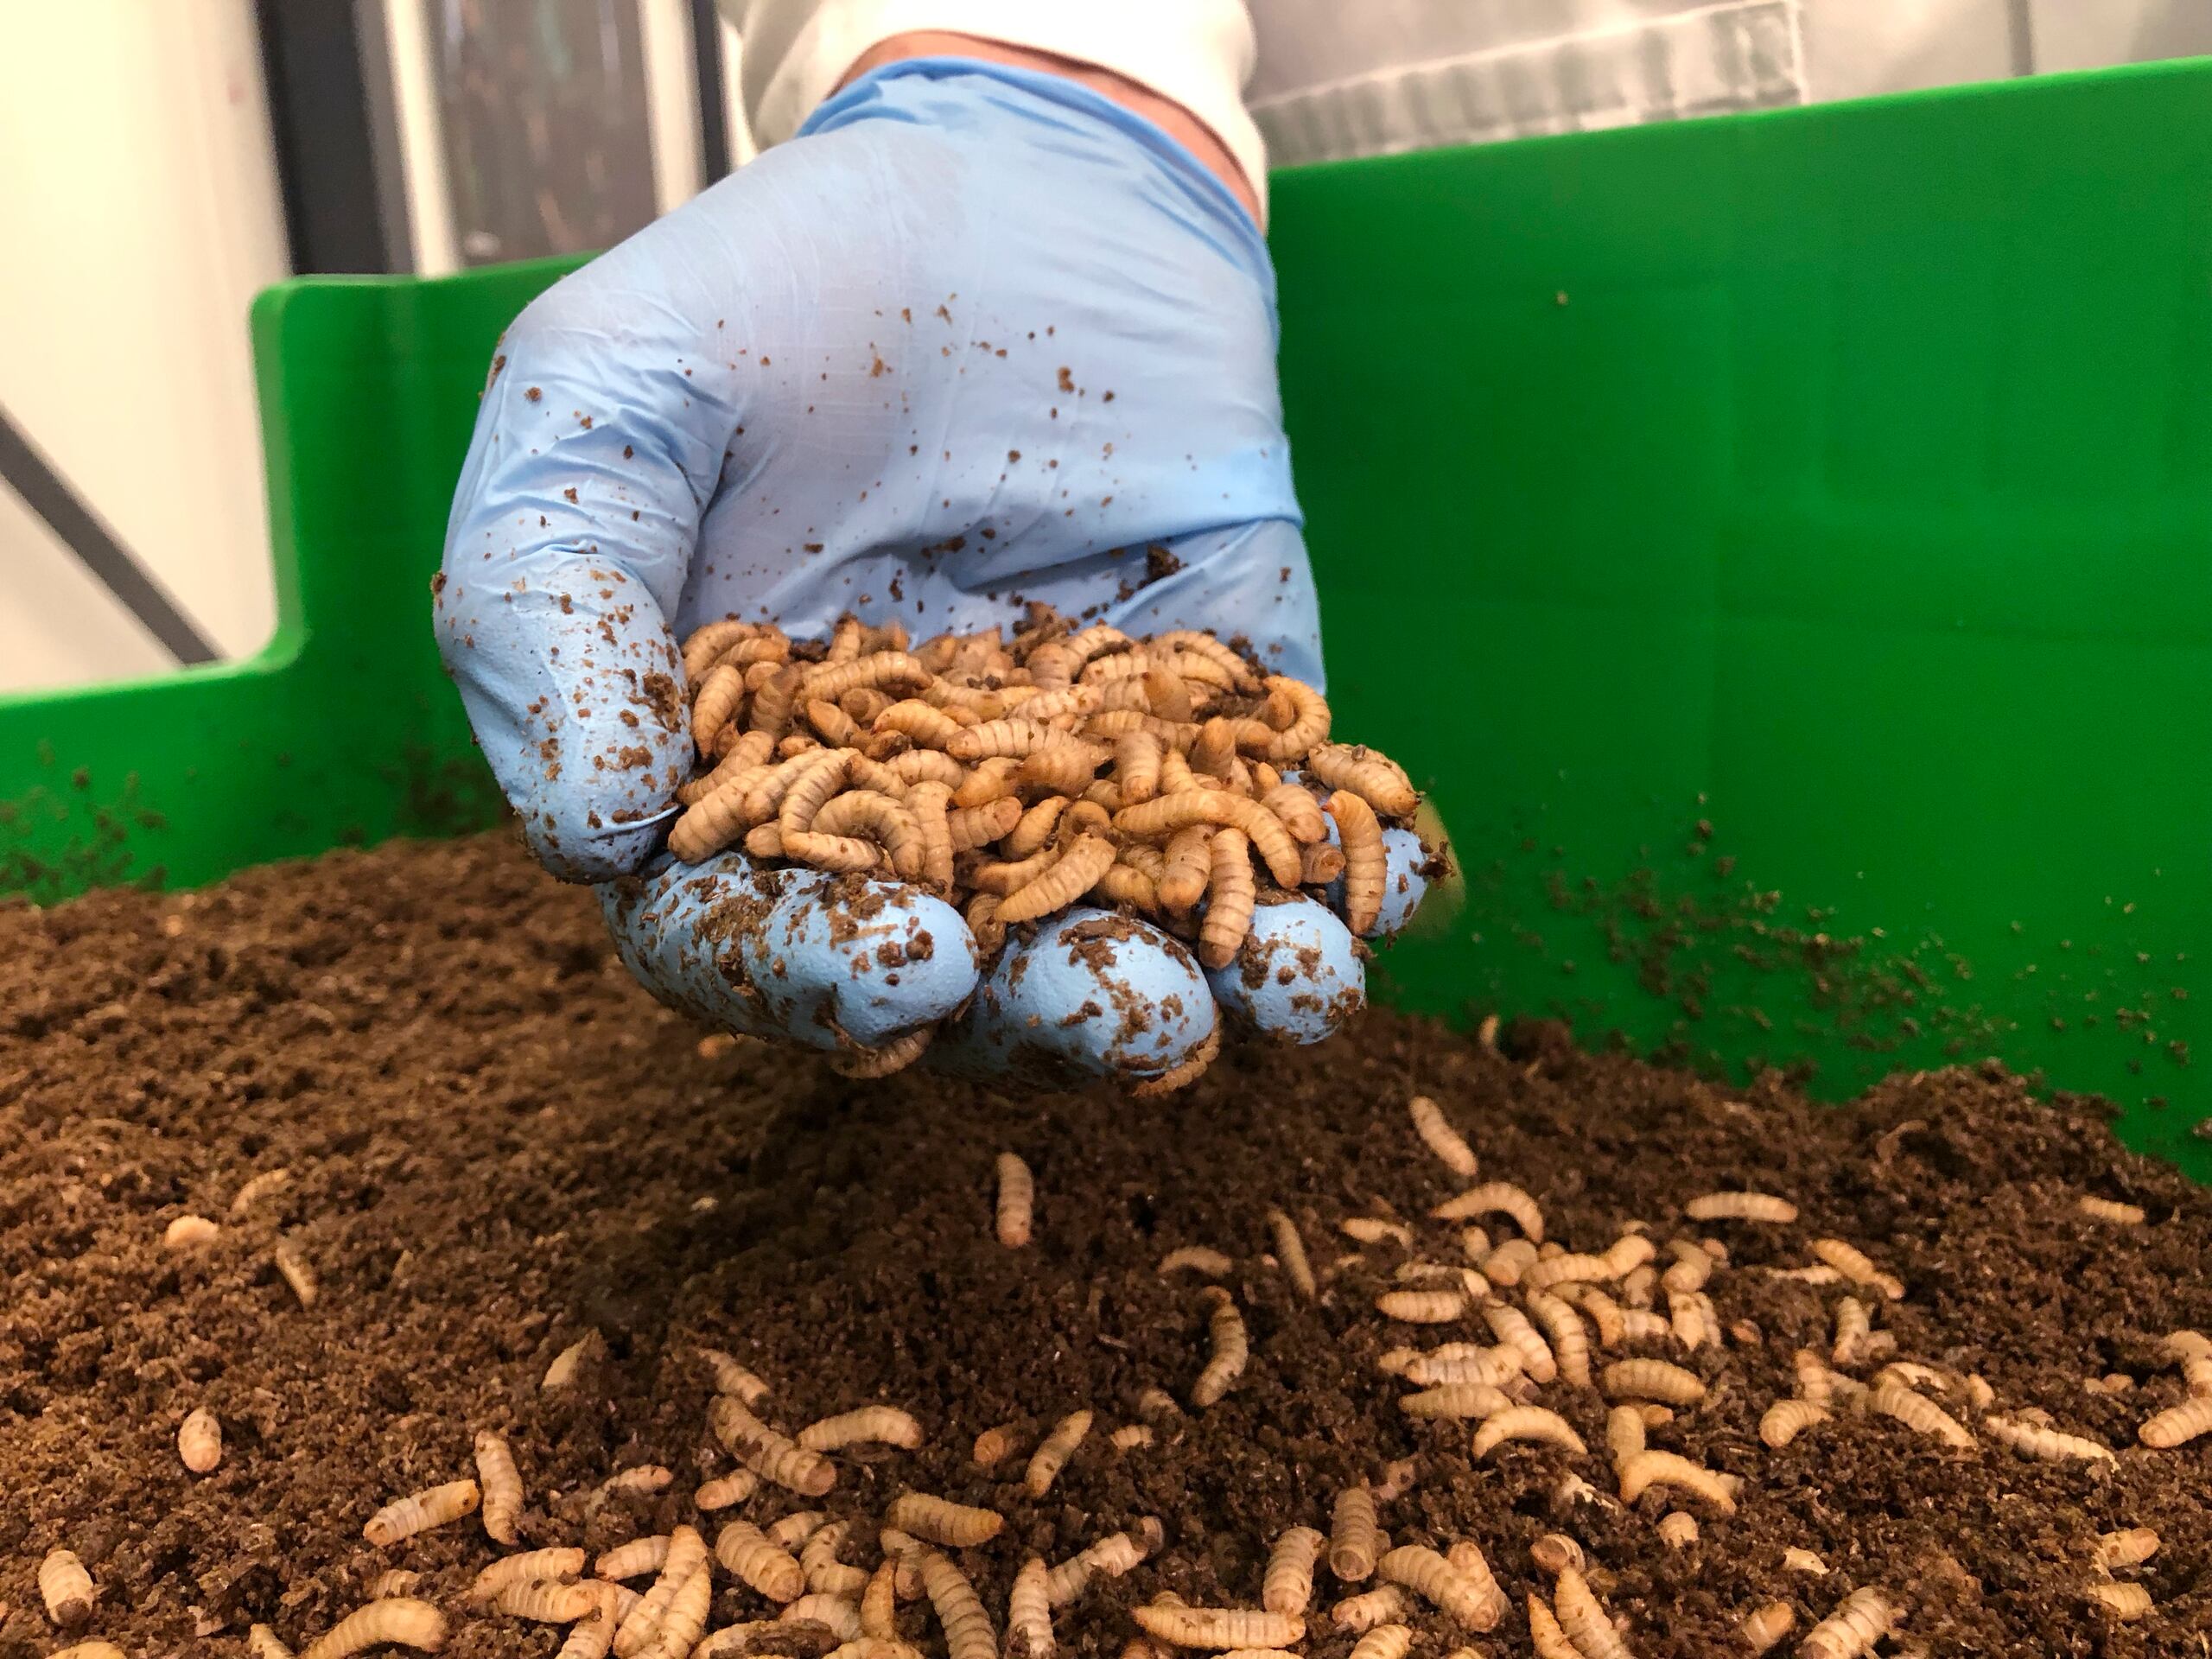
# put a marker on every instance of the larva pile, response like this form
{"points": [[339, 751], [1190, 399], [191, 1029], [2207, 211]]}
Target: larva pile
{"points": [[1167, 777]]}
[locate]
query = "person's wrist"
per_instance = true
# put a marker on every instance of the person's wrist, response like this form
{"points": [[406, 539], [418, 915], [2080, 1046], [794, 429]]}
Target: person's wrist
{"points": [[1170, 118]]}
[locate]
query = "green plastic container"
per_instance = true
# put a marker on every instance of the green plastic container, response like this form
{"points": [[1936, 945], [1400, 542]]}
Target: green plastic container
{"points": [[1784, 543]]}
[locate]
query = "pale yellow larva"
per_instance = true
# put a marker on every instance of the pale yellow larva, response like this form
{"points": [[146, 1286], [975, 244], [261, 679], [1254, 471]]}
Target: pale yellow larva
{"points": [[1785, 1420], [1219, 1627], [1555, 1550], [1651, 1468], [591, 1637], [1690, 1268], [1231, 1348], [725, 1490], [839, 1614], [502, 1486], [1603, 1311], [1455, 1400], [1028, 1614], [1920, 1414], [435, 1506], [1158, 1407], [1440, 1138], [1113, 1556], [773, 1456], [1525, 1423], [2177, 1424], [1677, 1529], [2111, 1209], [1354, 1539], [1586, 1621], [1373, 1229], [1853, 1325], [65, 1588], [968, 1632], [1512, 1328], [732, 1378], [1497, 1198], [1054, 1451], [268, 1182], [553, 1563], [1740, 1206], [1766, 1625], [825, 1575], [1507, 1264], [1290, 1251], [402, 1620], [1862, 1619], [1623, 1434], [297, 1272], [397, 1581], [940, 1521], [1016, 1201], [687, 1554], [2124, 1602], [261, 1642], [1854, 1264], [1566, 1268], [187, 1232], [1570, 1342], [199, 1440], [1691, 1318], [1287, 1586], [1363, 1612], [1384, 1642], [881, 1425], [1456, 1362], [880, 1603], [2034, 1440], [2130, 1547], [753, 1556], [685, 1619], [547, 1602], [1544, 1632], [795, 1529], [1653, 1379], [995, 1446], [641, 1480], [1473, 1600], [567, 1365], [1422, 1306]]}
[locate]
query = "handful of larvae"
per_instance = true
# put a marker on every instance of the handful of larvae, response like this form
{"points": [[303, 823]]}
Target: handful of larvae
{"points": [[1164, 777]]}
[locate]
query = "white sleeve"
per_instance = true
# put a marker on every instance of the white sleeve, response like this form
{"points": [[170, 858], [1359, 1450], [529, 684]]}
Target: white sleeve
{"points": [[1195, 53]]}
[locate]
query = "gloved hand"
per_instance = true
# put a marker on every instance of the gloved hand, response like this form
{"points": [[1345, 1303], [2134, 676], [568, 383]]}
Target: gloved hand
{"points": [[976, 336]]}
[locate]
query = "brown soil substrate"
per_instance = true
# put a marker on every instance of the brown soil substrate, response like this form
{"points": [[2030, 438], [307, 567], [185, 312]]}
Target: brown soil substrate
{"points": [[499, 1143]]}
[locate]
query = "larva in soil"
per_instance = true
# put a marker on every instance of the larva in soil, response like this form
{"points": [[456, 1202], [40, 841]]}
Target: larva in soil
{"points": [[879, 1425], [940, 1521], [1054, 1451], [1016, 1201], [435, 1506], [1525, 1423]]}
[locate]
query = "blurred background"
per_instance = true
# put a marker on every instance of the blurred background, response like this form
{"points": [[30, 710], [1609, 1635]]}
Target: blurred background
{"points": [[162, 160]]}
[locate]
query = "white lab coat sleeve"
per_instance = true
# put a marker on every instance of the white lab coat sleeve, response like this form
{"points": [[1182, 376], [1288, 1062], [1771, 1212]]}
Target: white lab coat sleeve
{"points": [[1195, 53]]}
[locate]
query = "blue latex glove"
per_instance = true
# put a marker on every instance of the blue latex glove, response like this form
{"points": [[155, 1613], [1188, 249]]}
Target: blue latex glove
{"points": [[976, 336]]}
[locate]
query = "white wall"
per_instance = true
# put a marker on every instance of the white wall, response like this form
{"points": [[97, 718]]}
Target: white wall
{"points": [[139, 198]]}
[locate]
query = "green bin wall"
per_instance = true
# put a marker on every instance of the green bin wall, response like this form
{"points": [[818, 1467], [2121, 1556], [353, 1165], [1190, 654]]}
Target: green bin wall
{"points": [[1783, 544]]}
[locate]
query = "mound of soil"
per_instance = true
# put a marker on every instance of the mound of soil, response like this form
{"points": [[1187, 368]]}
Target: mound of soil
{"points": [[497, 1144]]}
